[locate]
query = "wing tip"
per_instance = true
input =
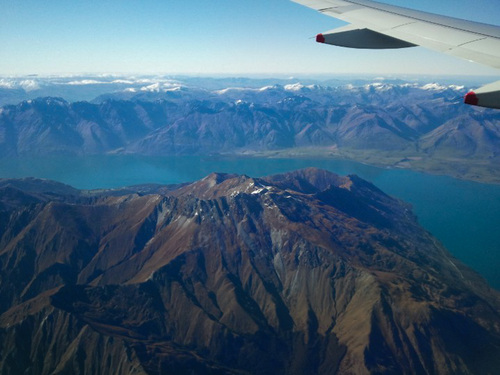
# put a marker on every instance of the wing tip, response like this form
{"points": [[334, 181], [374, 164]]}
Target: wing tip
{"points": [[471, 98], [320, 38]]}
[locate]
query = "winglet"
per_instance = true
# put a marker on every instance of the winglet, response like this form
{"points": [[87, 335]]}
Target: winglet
{"points": [[320, 38]]}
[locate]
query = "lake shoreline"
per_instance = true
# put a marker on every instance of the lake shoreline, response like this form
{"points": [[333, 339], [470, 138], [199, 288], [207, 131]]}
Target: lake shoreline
{"points": [[476, 170], [463, 215]]}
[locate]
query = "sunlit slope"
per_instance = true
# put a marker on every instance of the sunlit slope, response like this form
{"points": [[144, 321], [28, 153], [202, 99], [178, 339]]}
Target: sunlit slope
{"points": [[306, 272]]}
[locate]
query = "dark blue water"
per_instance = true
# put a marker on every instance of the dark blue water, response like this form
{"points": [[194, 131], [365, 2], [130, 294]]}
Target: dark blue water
{"points": [[464, 216]]}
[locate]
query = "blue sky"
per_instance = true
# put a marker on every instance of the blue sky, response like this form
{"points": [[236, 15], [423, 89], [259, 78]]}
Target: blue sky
{"points": [[223, 37]]}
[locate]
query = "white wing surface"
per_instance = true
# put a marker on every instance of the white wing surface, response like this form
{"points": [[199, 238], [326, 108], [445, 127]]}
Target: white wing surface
{"points": [[377, 25]]}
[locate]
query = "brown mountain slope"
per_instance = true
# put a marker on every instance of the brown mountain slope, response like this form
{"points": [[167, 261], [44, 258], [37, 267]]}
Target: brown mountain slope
{"points": [[306, 272]]}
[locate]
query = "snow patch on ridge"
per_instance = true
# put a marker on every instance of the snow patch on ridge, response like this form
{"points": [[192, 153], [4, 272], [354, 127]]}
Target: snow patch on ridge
{"points": [[294, 87]]}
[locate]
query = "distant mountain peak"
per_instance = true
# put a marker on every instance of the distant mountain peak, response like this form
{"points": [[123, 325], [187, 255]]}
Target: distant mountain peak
{"points": [[219, 184], [387, 122]]}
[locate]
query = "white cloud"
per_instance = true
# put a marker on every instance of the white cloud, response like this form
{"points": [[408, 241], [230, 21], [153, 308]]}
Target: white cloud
{"points": [[433, 87], [123, 81], [25, 84], [29, 85], [7, 84], [155, 87], [162, 86], [86, 82]]}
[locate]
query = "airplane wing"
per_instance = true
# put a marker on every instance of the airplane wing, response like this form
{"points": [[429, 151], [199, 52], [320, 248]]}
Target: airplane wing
{"points": [[380, 26]]}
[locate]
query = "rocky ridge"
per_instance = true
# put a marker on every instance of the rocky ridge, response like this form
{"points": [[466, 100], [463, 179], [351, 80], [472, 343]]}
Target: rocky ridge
{"points": [[306, 272], [384, 117]]}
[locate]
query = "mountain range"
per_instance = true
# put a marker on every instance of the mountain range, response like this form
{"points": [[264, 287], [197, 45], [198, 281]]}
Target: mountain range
{"points": [[305, 272], [396, 124]]}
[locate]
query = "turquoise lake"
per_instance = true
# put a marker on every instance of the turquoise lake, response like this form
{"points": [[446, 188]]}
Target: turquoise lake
{"points": [[463, 215]]}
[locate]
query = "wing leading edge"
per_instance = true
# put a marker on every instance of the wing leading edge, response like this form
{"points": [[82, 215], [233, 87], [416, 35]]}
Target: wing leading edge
{"points": [[379, 26]]}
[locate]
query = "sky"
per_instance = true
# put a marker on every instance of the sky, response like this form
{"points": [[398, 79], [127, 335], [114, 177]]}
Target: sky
{"points": [[201, 37]]}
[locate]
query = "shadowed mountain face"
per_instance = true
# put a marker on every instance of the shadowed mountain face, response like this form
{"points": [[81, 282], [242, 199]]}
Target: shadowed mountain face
{"points": [[398, 118], [306, 272], [387, 124]]}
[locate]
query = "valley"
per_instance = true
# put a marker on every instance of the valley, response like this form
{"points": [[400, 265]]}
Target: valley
{"points": [[395, 125]]}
